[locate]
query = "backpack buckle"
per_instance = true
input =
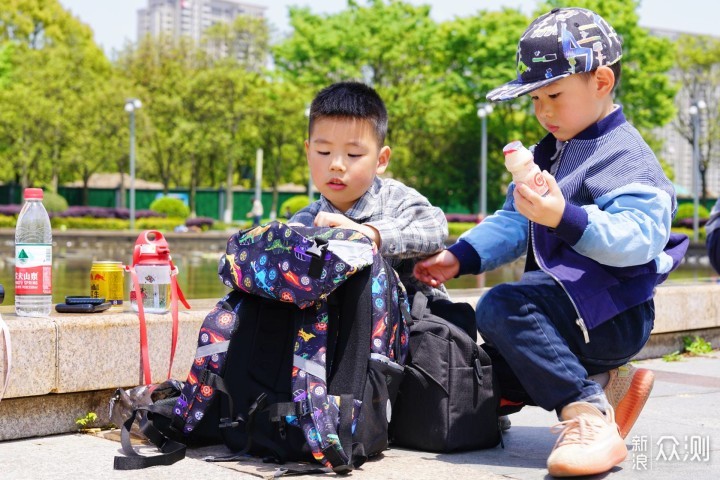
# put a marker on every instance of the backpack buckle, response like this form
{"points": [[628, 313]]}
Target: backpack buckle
{"points": [[317, 257], [225, 422], [259, 404], [302, 408]]}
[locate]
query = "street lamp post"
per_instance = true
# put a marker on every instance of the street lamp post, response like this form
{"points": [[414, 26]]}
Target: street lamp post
{"points": [[695, 110], [131, 105], [484, 110]]}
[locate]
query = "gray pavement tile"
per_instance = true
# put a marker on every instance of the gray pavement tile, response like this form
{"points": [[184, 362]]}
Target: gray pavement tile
{"points": [[681, 416]]}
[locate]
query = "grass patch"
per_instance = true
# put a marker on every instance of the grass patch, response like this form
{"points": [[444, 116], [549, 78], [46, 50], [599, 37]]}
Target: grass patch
{"points": [[692, 347], [697, 346]]}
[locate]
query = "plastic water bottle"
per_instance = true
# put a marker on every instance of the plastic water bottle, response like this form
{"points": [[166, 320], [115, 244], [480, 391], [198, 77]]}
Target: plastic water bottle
{"points": [[152, 265], [33, 257], [520, 162], [154, 281]]}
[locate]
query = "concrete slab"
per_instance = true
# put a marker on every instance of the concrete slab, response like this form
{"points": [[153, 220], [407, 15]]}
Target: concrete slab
{"points": [[103, 350], [33, 356], [23, 417]]}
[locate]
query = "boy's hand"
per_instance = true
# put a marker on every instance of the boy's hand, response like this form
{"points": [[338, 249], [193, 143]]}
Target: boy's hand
{"points": [[547, 210], [437, 269], [327, 219]]}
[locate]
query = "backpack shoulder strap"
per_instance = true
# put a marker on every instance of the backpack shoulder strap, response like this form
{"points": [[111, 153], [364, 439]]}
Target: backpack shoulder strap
{"points": [[170, 450], [391, 313], [317, 412], [203, 381]]}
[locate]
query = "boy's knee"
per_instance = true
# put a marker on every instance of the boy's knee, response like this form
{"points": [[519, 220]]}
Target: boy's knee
{"points": [[494, 308]]}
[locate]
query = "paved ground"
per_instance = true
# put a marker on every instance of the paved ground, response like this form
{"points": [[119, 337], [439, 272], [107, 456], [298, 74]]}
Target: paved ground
{"points": [[677, 436]]}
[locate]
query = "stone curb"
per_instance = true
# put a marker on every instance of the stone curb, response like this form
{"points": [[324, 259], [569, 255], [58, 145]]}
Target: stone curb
{"points": [[63, 362]]}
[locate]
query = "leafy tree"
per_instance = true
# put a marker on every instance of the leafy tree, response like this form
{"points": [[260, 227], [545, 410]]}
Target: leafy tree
{"points": [[698, 69], [162, 68], [52, 64], [392, 47], [282, 130], [202, 111], [479, 54], [101, 143], [5, 63]]}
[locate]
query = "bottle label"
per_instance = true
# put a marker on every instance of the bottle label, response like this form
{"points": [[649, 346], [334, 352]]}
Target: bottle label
{"points": [[534, 179], [33, 269]]}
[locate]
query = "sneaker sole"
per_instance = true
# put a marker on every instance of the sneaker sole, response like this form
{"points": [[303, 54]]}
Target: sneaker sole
{"points": [[616, 454], [629, 408]]}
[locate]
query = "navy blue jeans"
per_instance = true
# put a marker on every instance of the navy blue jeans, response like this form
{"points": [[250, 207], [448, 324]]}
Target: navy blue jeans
{"points": [[539, 352]]}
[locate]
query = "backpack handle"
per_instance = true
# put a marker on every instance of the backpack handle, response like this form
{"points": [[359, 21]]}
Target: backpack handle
{"points": [[152, 246]]}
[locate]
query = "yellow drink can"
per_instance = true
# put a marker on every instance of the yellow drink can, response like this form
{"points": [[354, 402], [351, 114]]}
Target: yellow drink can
{"points": [[106, 281]]}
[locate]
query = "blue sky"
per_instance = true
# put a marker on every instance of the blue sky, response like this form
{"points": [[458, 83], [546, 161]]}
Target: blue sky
{"points": [[114, 21]]}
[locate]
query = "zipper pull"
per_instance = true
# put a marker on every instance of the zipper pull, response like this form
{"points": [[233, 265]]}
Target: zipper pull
{"points": [[581, 323], [477, 367]]}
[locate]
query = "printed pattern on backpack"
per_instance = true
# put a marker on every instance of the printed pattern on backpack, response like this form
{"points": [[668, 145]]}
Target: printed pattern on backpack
{"points": [[218, 327], [275, 261], [300, 265]]}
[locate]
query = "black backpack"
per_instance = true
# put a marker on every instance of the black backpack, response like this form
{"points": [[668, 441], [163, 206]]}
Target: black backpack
{"points": [[448, 398], [301, 361]]}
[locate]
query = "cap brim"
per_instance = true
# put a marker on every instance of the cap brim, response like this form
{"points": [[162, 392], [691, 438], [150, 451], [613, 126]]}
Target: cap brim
{"points": [[516, 88]]}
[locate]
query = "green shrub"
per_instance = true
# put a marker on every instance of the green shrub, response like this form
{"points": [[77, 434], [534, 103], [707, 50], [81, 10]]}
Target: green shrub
{"points": [[7, 221], [171, 207], [295, 204], [687, 210], [88, 223], [689, 232], [455, 229], [54, 202], [162, 224]]}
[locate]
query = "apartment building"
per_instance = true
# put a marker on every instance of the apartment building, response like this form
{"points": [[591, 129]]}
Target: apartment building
{"points": [[677, 151], [190, 18]]}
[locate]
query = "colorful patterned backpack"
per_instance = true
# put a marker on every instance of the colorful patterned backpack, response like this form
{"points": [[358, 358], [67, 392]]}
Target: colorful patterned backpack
{"points": [[302, 360]]}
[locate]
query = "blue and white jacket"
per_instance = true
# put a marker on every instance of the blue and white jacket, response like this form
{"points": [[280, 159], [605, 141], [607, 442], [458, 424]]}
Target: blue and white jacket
{"points": [[613, 244]]}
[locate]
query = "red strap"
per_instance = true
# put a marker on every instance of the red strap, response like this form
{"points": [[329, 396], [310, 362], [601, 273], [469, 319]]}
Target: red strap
{"points": [[180, 295], [174, 309], [144, 353], [176, 294]]}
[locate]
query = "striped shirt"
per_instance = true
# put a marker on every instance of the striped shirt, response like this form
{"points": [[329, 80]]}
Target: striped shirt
{"points": [[410, 227]]}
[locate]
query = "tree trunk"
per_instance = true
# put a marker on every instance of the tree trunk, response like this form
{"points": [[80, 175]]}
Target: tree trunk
{"points": [[121, 188], [228, 214], [193, 185]]}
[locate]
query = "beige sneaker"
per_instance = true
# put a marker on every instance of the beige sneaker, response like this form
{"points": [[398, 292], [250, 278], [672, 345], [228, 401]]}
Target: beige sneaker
{"points": [[627, 391], [589, 442]]}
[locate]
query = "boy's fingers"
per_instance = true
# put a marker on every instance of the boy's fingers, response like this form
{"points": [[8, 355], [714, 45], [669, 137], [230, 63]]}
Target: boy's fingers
{"points": [[552, 183]]}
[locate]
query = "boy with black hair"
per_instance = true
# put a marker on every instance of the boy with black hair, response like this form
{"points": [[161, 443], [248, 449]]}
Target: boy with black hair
{"points": [[346, 152], [597, 244]]}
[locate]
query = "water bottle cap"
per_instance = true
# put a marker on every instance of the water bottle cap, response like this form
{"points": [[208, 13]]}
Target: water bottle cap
{"points": [[33, 193]]}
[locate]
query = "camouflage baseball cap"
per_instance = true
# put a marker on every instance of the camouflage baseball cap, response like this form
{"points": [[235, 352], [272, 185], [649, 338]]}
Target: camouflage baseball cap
{"points": [[558, 44]]}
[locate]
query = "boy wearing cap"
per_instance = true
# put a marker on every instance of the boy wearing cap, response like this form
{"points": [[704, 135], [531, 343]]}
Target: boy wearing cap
{"points": [[596, 246]]}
